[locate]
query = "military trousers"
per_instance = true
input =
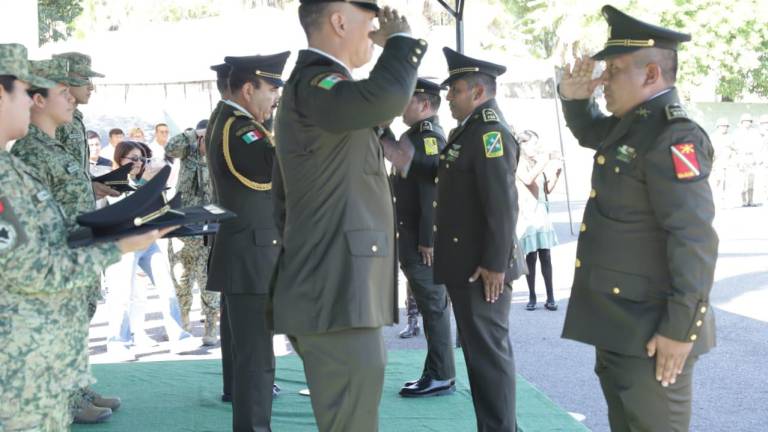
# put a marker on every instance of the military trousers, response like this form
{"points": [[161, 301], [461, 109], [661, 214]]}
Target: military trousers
{"points": [[193, 257], [636, 401], [253, 362], [484, 333], [225, 336], [432, 301], [345, 374]]}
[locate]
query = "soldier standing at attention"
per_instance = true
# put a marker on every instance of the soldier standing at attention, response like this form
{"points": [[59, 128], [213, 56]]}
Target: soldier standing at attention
{"points": [[44, 282], [336, 281], [195, 188], [647, 250], [87, 405], [415, 197], [476, 251], [240, 160]]}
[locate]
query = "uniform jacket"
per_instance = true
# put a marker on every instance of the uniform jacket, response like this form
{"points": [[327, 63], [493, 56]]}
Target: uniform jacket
{"points": [[476, 199], [240, 160], [72, 137], [194, 181], [646, 252], [338, 269], [415, 195]]}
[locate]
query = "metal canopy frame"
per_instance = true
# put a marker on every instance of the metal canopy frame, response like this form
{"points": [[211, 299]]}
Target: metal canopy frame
{"points": [[457, 13]]}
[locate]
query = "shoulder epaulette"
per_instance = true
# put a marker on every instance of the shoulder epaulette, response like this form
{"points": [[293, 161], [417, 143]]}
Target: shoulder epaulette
{"points": [[676, 112], [426, 125], [238, 113], [490, 116]]}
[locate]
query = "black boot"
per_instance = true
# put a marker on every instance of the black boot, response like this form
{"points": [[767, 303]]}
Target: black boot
{"points": [[412, 329]]}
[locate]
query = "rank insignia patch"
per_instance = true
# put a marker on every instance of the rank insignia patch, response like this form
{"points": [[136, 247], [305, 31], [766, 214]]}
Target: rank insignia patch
{"points": [[430, 146], [685, 161], [489, 116], [252, 136], [493, 145], [329, 81]]}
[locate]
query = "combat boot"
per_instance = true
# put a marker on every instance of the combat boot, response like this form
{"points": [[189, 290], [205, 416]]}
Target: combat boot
{"points": [[111, 402], [412, 329], [209, 336], [88, 413]]}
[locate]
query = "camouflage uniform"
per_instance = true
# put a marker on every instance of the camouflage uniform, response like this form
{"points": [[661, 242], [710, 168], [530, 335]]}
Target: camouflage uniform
{"points": [[72, 136], [43, 348], [195, 188]]}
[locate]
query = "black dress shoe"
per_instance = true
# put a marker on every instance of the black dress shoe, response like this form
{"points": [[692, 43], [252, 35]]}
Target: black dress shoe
{"points": [[429, 387], [413, 383], [531, 306], [550, 305], [226, 397]]}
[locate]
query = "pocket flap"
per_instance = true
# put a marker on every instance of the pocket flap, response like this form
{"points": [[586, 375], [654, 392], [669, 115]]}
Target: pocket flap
{"points": [[621, 285], [367, 243], [266, 237]]}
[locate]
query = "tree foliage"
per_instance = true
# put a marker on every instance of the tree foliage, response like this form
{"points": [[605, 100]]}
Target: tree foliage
{"points": [[56, 19]]}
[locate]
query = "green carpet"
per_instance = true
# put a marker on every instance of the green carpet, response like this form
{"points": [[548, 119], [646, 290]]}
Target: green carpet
{"points": [[184, 396]]}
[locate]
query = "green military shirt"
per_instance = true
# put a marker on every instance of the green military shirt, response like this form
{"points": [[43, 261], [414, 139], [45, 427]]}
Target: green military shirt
{"points": [[647, 249], [72, 137], [41, 276], [194, 183], [68, 181]]}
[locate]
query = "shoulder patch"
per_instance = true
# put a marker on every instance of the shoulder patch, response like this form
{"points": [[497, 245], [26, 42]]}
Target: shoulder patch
{"points": [[251, 136], [11, 232], [328, 81], [245, 129], [675, 112], [426, 125], [430, 146], [494, 146], [490, 116], [685, 161]]}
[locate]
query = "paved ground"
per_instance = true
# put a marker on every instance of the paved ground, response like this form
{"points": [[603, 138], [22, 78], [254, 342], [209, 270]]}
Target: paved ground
{"points": [[731, 385]]}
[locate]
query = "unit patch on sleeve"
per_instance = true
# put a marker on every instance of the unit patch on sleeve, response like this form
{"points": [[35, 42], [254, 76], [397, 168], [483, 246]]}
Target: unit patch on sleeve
{"points": [[430, 146], [685, 161], [252, 136], [11, 232], [493, 145], [327, 82]]}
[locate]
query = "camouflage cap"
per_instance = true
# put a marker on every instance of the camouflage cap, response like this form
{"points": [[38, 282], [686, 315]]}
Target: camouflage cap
{"points": [[79, 64], [13, 61], [56, 70]]}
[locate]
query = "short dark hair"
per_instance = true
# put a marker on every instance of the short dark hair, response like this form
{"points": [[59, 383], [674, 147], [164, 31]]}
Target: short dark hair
{"points": [[239, 78], [6, 81], [159, 125], [487, 81], [311, 15], [116, 131], [35, 91], [665, 58], [222, 79], [91, 135], [432, 99]]}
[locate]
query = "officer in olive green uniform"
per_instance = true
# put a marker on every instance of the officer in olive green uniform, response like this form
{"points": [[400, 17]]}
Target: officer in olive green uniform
{"points": [[244, 253], [415, 198], [336, 281], [222, 85], [647, 250]]}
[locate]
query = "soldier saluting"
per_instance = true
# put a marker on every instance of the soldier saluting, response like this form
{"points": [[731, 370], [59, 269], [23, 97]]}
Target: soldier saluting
{"points": [[647, 250]]}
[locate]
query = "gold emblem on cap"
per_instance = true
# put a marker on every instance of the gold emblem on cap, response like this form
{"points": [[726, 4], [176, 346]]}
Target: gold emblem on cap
{"points": [[631, 43], [267, 74], [463, 70]]}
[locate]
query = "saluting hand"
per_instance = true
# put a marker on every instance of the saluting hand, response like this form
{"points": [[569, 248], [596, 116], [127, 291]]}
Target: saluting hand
{"points": [[670, 357], [390, 22], [577, 82], [493, 283]]}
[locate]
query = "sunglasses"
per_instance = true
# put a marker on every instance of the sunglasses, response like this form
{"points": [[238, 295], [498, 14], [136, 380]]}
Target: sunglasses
{"points": [[135, 159]]}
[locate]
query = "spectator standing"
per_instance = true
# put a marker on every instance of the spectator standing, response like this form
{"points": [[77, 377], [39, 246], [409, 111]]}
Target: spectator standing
{"points": [[749, 157], [98, 165], [116, 136]]}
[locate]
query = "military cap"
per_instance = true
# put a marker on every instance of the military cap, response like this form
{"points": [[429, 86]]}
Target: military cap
{"points": [[365, 4], [14, 62], [202, 124], [56, 70], [424, 85], [221, 69], [79, 64], [722, 121], [144, 210], [117, 179], [460, 65], [627, 34], [266, 67]]}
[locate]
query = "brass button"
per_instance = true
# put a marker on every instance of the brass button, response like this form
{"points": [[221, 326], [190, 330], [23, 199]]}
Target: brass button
{"points": [[394, 199], [417, 50], [415, 59], [374, 248], [397, 235], [694, 337], [583, 227], [616, 290], [402, 223], [592, 193], [455, 239], [437, 180], [601, 160], [434, 204], [447, 165], [578, 263], [434, 228], [699, 323], [703, 309], [616, 170], [422, 42], [274, 242]]}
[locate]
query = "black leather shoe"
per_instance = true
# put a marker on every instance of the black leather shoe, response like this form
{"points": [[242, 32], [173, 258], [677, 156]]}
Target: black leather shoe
{"points": [[550, 305], [531, 306], [226, 397], [413, 383], [412, 329], [429, 387]]}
